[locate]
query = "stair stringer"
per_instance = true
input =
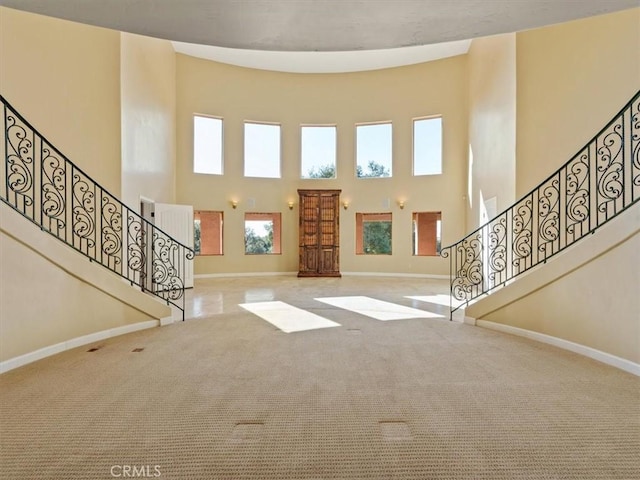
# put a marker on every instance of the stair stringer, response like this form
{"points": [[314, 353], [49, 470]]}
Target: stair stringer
{"points": [[585, 300], [53, 299]]}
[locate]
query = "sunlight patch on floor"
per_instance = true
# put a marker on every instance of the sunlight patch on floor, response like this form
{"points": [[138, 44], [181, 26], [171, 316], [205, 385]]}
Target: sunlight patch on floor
{"points": [[287, 317], [377, 309]]}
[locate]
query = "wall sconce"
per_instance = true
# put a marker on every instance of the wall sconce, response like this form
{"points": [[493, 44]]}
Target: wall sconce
{"points": [[401, 204], [234, 204], [345, 204], [290, 203]]}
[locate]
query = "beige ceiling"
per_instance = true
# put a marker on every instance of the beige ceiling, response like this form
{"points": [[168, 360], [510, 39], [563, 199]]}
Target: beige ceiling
{"points": [[247, 27]]}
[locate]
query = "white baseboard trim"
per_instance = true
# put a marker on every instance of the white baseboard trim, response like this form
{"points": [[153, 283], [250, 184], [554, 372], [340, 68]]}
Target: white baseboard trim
{"points": [[406, 275], [350, 274], [470, 321], [31, 357], [246, 274], [614, 361]]}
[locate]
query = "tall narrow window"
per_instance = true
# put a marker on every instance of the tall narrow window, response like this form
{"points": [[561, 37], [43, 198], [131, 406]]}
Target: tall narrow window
{"points": [[261, 150], [373, 233], [318, 151], [262, 233], [207, 145], [427, 146], [207, 229], [427, 233], [374, 150]]}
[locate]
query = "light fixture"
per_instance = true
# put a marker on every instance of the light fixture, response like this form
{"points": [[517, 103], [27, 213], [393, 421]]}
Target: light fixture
{"points": [[290, 203], [345, 204], [401, 204], [234, 204]]}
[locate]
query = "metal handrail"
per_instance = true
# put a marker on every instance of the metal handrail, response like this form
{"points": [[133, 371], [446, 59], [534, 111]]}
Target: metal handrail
{"points": [[597, 184], [45, 187]]}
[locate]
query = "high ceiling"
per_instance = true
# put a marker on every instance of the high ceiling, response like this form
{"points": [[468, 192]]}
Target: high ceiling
{"points": [[319, 25]]}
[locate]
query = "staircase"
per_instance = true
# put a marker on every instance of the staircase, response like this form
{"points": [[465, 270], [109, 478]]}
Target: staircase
{"points": [[599, 183], [49, 190]]}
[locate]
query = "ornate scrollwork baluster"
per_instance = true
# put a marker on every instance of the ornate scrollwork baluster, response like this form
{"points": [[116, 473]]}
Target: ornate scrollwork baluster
{"points": [[468, 276], [609, 169], [577, 196], [522, 247], [20, 163], [84, 211], [166, 262], [548, 218], [111, 232], [54, 175], [497, 244], [635, 149], [136, 250]]}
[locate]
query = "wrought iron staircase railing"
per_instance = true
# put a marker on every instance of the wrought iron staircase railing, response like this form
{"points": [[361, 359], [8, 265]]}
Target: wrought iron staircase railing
{"points": [[61, 199], [597, 184]]}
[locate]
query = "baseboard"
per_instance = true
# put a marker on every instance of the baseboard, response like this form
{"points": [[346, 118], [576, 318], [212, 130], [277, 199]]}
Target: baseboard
{"points": [[470, 321], [405, 275], [607, 358], [352, 274], [245, 274], [31, 357]]}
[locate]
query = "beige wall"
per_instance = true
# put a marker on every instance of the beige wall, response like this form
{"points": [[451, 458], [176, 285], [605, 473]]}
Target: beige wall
{"points": [[397, 95], [64, 78], [492, 124], [572, 78], [148, 89]]}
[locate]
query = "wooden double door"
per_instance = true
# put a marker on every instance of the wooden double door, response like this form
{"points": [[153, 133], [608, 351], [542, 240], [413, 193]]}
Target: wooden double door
{"points": [[319, 233]]}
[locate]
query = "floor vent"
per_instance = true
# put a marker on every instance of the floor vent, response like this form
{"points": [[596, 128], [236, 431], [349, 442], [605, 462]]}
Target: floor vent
{"points": [[247, 432], [395, 431], [137, 350]]}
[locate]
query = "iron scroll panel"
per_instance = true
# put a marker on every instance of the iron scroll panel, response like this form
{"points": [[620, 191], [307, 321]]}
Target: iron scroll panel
{"points": [[601, 181], [61, 199]]}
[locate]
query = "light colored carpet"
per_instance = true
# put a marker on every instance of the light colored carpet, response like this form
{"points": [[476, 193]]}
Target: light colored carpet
{"points": [[229, 396]]}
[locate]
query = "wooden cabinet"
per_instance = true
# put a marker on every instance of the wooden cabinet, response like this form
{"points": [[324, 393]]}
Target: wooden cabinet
{"points": [[319, 233]]}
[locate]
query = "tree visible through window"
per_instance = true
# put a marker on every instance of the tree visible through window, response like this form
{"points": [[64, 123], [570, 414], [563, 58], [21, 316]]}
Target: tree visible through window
{"points": [[262, 233], [318, 151], [373, 233], [373, 150]]}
